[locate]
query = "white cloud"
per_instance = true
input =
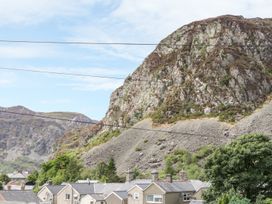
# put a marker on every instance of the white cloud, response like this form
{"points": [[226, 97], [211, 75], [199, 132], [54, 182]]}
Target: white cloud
{"points": [[33, 11], [159, 18], [27, 52]]}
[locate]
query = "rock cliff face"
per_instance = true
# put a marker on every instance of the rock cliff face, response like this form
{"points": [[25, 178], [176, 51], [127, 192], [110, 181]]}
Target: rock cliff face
{"points": [[219, 68], [32, 138], [216, 67]]}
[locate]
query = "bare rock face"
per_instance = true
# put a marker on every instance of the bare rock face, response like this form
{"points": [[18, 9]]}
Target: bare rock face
{"points": [[216, 66], [33, 138]]}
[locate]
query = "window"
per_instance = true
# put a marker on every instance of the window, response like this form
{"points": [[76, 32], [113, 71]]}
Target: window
{"points": [[186, 196], [136, 196], [67, 196], [154, 198]]}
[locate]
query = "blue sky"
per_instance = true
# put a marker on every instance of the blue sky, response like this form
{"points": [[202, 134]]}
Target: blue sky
{"points": [[96, 21]]}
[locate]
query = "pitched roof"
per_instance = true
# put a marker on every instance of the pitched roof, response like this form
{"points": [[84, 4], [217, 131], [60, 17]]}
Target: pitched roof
{"points": [[25, 196], [98, 197], [200, 184], [16, 176], [121, 194], [142, 186], [106, 188], [176, 186], [55, 188], [83, 188]]}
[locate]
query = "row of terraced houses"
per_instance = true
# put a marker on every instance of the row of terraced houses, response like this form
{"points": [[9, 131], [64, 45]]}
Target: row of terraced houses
{"points": [[140, 191]]}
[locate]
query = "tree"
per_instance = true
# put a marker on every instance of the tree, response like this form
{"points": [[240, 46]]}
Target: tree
{"points": [[243, 165], [64, 168], [4, 178], [105, 172], [232, 197]]}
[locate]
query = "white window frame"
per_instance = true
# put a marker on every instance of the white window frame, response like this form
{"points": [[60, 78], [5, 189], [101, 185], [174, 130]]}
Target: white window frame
{"points": [[67, 196], [154, 197], [136, 196], [186, 196]]}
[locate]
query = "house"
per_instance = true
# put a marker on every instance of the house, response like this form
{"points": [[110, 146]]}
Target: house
{"points": [[175, 192], [117, 197], [18, 197], [200, 188], [73, 192], [17, 176], [135, 194], [48, 193], [17, 185], [93, 199], [183, 191]]}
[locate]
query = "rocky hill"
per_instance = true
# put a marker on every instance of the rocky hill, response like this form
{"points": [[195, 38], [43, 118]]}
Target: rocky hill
{"points": [[29, 140], [208, 81], [215, 67]]}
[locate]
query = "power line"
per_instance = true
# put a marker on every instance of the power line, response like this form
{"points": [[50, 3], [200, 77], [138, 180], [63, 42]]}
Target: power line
{"points": [[66, 73], [103, 124], [76, 42], [115, 126]]}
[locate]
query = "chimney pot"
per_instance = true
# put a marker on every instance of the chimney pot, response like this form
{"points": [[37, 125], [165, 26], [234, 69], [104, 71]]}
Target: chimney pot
{"points": [[183, 175], [169, 178], [155, 175], [129, 176]]}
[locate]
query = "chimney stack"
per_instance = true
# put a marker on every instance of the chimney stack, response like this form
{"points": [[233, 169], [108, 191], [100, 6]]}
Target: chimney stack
{"points": [[169, 178], [129, 176], [183, 175], [155, 175], [23, 186]]}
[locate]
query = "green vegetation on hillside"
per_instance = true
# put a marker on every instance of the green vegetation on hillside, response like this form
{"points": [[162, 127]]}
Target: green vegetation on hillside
{"points": [[19, 164], [191, 163], [173, 111], [102, 138], [104, 172]]}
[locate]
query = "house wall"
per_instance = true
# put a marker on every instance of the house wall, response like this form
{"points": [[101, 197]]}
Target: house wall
{"points": [[154, 190], [43, 195], [87, 200], [198, 194], [173, 198], [61, 197], [113, 199], [131, 192]]}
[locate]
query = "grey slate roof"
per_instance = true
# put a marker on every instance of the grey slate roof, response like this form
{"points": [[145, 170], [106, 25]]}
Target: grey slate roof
{"points": [[98, 197], [142, 186], [83, 188], [122, 194], [55, 188], [176, 186], [24, 196]]}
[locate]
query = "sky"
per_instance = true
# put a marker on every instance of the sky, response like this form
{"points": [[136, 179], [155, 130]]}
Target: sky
{"points": [[143, 21]]}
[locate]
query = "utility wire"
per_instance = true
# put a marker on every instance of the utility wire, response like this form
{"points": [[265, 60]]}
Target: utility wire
{"points": [[103, 124], [115, 126], [76, 42], [66, 73], [61, 73]]}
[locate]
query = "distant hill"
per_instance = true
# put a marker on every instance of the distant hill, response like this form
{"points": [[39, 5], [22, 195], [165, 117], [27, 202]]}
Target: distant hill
{"points": [[25, 141]]}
